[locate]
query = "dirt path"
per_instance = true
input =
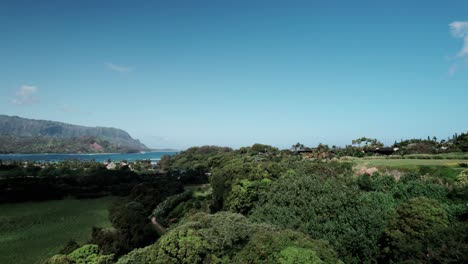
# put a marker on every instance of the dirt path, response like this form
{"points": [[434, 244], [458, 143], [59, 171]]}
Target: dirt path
{"points": [[364, 170], [159, 228]]}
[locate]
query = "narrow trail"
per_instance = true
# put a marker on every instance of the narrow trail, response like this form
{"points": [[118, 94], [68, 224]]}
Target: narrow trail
{"points": [[159, 228]]}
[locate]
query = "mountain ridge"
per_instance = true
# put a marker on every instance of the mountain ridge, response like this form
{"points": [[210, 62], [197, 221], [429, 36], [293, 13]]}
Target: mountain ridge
{"points": [[23, 129]]}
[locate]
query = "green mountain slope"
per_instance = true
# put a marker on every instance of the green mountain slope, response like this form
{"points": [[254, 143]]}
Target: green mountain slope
{"points": [[21, 135]]}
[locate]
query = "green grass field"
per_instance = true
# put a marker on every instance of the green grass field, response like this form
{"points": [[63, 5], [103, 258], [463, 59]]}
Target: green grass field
{"points": [[30, 232], [408, 163], [446, 169]]}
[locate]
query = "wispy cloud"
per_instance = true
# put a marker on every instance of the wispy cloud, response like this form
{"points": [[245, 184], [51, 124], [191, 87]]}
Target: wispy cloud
{"points": [[25, 95], [464, 50], [118, 68], [459, 29]]}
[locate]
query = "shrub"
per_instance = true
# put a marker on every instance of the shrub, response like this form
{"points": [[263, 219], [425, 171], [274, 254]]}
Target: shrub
{"points": [[230, 238], [161, 212], [298, 255], [59, 259], [140, 256], [87, 254], [416, 188], [69, 247], [109, 241], [330, 208], [203, 237], [272, 245], [251, 168], [383, 183], [245, 194], [406, 237], [462, 178]]}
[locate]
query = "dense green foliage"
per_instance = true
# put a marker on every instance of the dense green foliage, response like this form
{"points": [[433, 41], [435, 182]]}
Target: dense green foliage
{"points": [[357, 216], [80, 179], [87, 254], [260, 204], [271, 245], [162, 212], [131, 229], [414, 221], [458, 143], [231, 238], [331, 209], [129, 218], [193, 164], [140, 256]]}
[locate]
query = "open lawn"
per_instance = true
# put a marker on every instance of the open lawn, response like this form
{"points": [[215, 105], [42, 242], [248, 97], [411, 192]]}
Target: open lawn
{"points": [[447, 169], [30, 232], [408, 163]]}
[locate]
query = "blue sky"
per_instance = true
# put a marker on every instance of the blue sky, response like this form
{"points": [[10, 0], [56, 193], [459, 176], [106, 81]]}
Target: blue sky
{"points": [[181, 73]]}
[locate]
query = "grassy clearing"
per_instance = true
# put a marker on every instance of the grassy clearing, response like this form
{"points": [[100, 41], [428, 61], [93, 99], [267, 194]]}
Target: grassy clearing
{"points": [[448, 156], [408, 163], [199, 190], [454, 155], [445, 169], [30, 232]]}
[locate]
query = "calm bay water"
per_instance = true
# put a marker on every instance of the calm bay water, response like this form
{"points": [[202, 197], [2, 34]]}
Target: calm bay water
{"points": [[153, 156]]}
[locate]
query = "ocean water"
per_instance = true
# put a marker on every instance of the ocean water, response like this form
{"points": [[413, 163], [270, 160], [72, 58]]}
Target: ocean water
{"points": [[153, 156]]}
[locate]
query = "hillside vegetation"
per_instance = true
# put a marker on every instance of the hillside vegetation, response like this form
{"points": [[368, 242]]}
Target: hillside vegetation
{"points": [[33, 145], [21, 135], [260, 204]]}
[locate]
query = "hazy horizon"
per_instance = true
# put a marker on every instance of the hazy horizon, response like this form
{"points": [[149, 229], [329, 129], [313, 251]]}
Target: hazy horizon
{"points": [[176, 74]]}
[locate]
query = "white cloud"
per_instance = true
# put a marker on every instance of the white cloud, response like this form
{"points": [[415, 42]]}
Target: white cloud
{"points": [[459, 29], [464, 50], [118, 68], [25, 95]]}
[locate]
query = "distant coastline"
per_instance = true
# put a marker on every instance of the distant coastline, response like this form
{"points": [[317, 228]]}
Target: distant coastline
{"points": [[150, 155], [164, 150]]}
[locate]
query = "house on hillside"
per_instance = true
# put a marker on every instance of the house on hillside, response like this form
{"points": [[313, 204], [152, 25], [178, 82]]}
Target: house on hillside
{"points": [[381, 151], [316, 153], [111, 166], [305, 150]]}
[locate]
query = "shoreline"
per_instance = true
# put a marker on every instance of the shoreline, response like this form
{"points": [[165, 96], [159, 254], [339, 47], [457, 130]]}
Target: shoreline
{"points": [[100, 157], [90, 154]]}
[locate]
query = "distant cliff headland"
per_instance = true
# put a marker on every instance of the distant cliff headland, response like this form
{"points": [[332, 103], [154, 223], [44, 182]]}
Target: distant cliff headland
{"points": [[22, 135]]}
